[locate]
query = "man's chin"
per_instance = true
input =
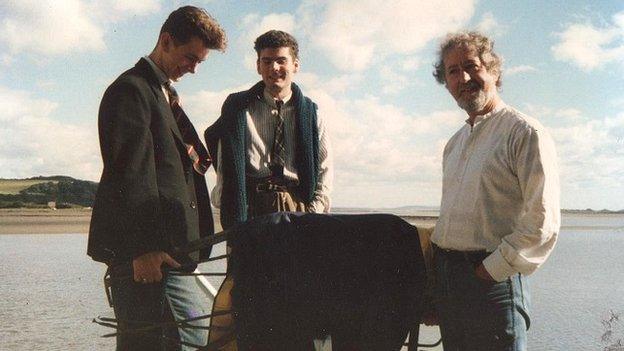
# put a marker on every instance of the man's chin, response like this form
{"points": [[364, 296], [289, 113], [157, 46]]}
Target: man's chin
{"points": [[474, 103], [470, 105], [276, 85]]}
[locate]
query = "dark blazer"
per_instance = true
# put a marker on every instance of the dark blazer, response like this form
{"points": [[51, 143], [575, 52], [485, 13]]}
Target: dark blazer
{"points": [[149, 197]]}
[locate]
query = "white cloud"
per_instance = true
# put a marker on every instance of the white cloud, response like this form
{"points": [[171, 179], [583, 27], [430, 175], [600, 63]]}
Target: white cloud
{"points": [[590, 47], [519, 69], [354, 33], [48, 27], [384, 156], [204, 106], [490, 26], [254, 25], [57, 27], [6, 60], [389, 157], [392, 82], [45, 84], [337, 85], [568, 114], [116, 10], [381, 152], [33, 143], [591, 154], [135, 7], [410, 64]]}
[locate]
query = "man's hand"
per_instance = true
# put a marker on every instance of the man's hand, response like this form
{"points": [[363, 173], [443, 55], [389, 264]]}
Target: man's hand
{"points": [[430, 317], [146, 267], [483, 273]]}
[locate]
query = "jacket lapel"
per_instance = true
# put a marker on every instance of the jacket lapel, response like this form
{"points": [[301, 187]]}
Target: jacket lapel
{"points": [[163, 105]]}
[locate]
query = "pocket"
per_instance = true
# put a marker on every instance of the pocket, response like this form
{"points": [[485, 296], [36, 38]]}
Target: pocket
{"points": [[478, 278]]}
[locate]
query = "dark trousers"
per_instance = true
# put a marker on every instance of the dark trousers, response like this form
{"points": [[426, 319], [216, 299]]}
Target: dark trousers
{"points": [[479, 315]]}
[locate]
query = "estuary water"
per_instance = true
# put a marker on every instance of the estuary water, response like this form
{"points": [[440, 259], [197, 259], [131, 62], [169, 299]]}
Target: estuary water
{"points": [[50, 291]]}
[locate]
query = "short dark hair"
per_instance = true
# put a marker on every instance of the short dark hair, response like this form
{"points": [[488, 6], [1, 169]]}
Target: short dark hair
{"points": [[483, 45], [277, 39], [190, 21]]}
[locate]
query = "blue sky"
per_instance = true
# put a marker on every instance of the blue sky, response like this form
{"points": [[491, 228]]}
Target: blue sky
{"points": [[367, 64]]}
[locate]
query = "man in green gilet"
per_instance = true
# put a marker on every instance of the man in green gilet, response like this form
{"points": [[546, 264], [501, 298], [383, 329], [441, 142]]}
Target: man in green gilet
{"points": [[272, 148]]}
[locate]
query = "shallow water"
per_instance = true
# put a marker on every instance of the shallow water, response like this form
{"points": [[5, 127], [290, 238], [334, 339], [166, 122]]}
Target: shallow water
{"points": [[51, 290]]}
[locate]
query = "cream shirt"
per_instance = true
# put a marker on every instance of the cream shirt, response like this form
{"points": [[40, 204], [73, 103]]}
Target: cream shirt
{"points": [[261, 122], [500, 192]]}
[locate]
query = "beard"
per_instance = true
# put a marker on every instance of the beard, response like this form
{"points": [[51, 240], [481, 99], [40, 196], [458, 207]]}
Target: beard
{"points": [[473, 103], [476, 101]]}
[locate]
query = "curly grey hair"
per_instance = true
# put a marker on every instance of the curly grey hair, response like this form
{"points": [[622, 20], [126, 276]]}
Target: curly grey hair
{"points": [[483, 45]]}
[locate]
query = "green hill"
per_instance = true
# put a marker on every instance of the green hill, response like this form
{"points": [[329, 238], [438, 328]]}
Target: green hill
{"points": [[39, 191]]}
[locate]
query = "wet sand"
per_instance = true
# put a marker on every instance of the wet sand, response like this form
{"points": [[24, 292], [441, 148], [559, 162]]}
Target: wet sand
{"points": [[44, 221], [76, 221]]}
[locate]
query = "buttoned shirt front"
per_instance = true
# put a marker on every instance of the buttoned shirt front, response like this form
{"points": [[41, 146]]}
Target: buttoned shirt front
{"points": [[500, 192], [261, 121]]}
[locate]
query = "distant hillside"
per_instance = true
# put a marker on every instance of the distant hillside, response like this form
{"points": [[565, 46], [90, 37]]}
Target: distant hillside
{"points": [[434, 211], [590, 211], [40, 191]]}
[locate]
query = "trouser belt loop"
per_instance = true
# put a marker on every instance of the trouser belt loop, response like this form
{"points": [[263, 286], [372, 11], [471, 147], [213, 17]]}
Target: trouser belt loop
{"points": [[270, 184], [470, 256]]}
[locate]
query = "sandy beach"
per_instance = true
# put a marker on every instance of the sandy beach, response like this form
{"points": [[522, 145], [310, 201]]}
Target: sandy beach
{"points": [[44, 221], [76, 221]]}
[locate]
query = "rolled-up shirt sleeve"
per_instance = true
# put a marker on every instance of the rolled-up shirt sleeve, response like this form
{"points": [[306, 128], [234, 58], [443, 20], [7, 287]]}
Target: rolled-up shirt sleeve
{"points": [[536, 231]]}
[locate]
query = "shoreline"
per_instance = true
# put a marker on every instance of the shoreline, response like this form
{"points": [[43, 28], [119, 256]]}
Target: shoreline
{"points": [[76, 221], [44, 221]]}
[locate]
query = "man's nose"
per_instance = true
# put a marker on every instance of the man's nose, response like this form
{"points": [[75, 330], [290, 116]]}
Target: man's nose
{"points": [[464, 76], [275, 66], [193, 67]]}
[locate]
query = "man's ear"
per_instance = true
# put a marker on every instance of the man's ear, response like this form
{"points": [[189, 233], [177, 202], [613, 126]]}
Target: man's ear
{"points": [[296, 63], [258, 65], [165, 41]]}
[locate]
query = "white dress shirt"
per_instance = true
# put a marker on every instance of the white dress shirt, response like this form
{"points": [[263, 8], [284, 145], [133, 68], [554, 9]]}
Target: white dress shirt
{"points": [[500, 192], [261, 122]]}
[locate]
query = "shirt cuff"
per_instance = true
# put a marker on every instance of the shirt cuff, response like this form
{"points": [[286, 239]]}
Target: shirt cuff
{"points": [[312, 207], [497, 266]]}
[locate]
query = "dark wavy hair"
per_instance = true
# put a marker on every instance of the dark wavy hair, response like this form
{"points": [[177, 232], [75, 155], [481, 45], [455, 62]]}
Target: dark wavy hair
{"points": [[277, 39], [190, 21]]}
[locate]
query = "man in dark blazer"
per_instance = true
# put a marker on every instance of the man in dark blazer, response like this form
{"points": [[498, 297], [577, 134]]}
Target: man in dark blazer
{"points": [[152, 196]]}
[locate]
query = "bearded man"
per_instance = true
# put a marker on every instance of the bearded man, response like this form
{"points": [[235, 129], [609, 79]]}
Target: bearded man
{"points": [[499, 216]]}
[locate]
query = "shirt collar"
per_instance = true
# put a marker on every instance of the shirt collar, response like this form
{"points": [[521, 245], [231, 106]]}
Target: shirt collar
{"points": [[160, 75], [481, 118], [269, 100]]}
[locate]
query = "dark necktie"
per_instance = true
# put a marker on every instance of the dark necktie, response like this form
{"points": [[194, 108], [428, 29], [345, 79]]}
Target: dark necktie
{"points": [[194, 147], [278, 152]]}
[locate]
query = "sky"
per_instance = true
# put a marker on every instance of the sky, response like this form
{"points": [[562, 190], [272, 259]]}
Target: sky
{"points": [[368, 65]]}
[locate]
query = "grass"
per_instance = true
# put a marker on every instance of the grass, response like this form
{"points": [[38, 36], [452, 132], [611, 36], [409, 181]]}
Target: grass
{"points": [[13, 186]]}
